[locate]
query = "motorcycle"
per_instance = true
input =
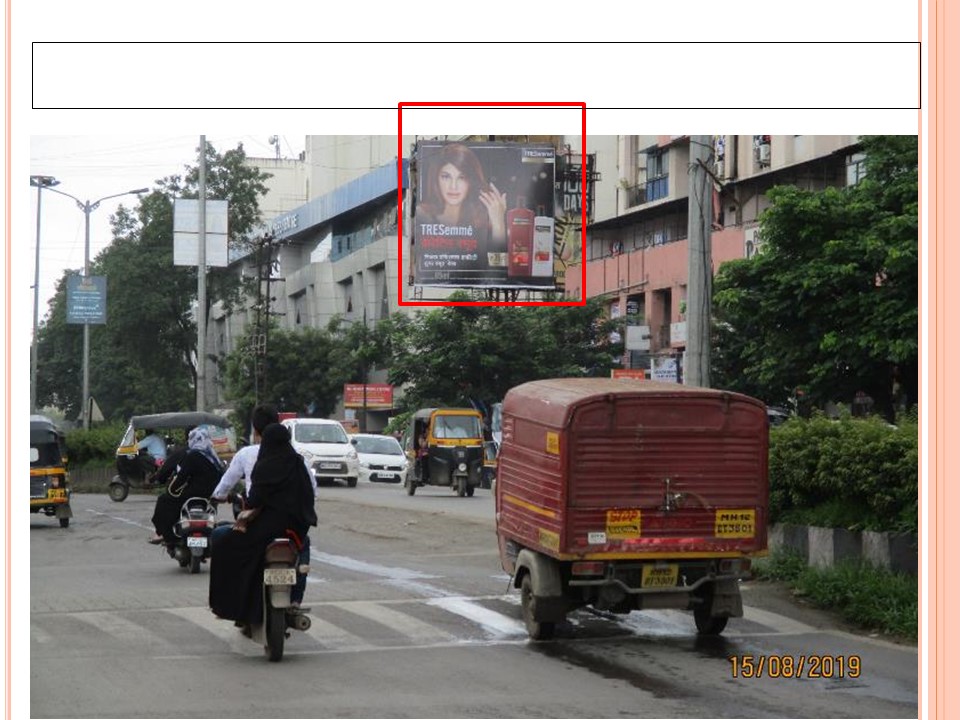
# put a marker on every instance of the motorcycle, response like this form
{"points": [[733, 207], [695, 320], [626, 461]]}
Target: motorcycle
{"points": [[198, 517], [279, 576], [280, 571]]}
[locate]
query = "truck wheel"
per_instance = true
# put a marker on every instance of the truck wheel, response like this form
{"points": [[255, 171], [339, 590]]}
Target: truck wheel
{"points": [[64, 522], [706, 623], [537, 630], [118, 491]]}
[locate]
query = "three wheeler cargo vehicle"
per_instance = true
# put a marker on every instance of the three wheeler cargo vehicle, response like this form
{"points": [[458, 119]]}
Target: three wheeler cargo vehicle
{"points": [[630, 495]]}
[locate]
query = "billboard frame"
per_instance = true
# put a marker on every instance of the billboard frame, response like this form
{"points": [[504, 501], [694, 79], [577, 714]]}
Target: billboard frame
{"points": [[400, 238]]}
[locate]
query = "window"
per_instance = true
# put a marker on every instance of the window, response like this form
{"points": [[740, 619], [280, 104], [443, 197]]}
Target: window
{"points": [[657, 186], [856, 168]]}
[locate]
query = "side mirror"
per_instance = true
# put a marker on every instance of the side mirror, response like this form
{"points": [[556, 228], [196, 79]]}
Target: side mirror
{"points": [[353, 441]]}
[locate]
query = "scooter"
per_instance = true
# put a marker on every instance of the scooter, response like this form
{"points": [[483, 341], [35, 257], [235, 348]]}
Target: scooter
{"points": [[279, 577], [198, 517]]}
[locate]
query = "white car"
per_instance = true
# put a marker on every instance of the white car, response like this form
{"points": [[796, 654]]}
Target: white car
{"points": [[326, 447], [381, 458]]}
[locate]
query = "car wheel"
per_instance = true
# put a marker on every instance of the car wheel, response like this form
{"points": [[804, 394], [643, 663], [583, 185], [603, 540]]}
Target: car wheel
{"points": [[351, 482]]}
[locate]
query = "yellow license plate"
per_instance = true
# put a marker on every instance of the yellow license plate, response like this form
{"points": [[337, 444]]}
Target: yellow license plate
{"points": [[659, 576], [56, 494], [623, 523], [735, 523]]}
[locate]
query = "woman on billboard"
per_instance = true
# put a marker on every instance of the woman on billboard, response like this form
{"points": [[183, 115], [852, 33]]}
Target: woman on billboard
{"points": [[457, 195]]}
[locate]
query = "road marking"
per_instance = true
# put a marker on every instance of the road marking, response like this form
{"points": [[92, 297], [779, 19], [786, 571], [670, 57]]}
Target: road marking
{"points": [[120, 519], [334, 637], [783, 624], [223, 629], [348, 563], [495, 623], [122, 629], [401, 622]]}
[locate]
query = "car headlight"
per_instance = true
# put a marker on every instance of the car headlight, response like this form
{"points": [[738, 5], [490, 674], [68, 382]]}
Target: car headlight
{"points": [[307, 455], [352, 454], [364, 464], [462, 467]]}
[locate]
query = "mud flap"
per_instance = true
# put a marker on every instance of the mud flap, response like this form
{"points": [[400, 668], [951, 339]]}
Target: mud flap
{"points": [[549, 603], [726, 600], [64, 511]]}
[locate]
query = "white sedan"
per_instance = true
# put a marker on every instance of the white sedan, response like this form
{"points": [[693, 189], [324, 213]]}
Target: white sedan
{"points": [[380, 457]]}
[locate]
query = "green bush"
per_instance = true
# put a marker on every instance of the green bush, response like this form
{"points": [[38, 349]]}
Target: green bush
{"points": [[96, 446], [869, 597], [855, 473]]}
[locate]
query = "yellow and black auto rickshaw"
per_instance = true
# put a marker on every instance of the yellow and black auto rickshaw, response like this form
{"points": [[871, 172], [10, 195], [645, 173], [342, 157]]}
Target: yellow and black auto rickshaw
{"points": [[49, 479], [445, 447]]}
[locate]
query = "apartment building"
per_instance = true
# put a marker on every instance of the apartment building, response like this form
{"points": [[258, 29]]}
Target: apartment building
{"points": [[636, 257]]}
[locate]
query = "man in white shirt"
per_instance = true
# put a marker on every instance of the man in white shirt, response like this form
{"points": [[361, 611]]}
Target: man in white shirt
{"points": [[241, 468]]}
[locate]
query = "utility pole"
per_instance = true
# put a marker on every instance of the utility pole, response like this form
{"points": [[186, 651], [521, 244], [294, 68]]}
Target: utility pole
{"points": [[202, 281], [699, 263]]}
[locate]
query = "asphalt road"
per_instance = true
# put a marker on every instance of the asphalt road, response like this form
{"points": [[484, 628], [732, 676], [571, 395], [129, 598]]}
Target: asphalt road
{"points": [[412, 617]]}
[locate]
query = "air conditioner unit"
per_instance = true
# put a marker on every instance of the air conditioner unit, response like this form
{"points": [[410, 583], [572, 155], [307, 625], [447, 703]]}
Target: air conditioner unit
{"points": [[763, 154]]}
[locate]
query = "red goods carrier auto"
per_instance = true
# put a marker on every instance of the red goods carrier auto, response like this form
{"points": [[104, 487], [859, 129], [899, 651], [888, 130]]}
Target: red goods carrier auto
{"points": [[630, 495]]}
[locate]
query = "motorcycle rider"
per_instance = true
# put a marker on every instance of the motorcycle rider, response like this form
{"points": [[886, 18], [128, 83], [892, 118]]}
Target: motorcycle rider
{"points": [[281, 500], [241, 469], [197, 475]]}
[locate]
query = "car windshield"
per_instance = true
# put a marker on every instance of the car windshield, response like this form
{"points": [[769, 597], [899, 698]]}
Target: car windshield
{"points": [[378, 446], [457, 426], [309, 433]]}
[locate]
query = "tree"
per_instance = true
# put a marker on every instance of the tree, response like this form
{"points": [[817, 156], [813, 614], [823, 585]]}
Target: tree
{"points": [[143, 359], [462, 355], [304, 370], [830, 305]]}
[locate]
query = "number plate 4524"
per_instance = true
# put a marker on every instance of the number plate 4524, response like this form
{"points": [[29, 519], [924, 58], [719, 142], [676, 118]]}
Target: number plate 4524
{"points": [[279, 576]]}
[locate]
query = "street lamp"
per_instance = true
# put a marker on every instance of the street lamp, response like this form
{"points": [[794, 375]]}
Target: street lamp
{"points": [[39, 182], [87, 208]]}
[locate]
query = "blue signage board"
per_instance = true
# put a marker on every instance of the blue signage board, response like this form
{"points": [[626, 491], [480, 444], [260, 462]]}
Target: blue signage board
{"points": [[86, 300]]}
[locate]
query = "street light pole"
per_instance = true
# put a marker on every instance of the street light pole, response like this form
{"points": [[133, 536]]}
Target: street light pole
{"points": [[87, 208], [40, 182]]}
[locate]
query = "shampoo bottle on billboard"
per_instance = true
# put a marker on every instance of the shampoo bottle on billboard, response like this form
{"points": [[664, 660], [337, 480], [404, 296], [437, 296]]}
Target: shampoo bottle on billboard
{"points": [[519, 239], [542, 265]]}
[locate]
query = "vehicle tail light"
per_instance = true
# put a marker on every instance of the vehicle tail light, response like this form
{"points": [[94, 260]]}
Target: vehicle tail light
{"points": [[587, 568]]}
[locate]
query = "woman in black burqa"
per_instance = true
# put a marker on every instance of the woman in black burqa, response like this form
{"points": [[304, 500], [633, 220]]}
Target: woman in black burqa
{"points": [[281, 499], [196, 473]]}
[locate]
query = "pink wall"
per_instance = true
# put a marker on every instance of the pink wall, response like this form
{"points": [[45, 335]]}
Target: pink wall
{"points": [[661, 267]]}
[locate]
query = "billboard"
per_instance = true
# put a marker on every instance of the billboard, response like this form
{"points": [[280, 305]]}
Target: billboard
{"points": [[484, 215], [378, 395]]}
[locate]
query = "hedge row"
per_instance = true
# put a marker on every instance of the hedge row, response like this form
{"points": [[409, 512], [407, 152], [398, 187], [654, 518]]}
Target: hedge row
{"points": [[96, 446], [854, 473]]}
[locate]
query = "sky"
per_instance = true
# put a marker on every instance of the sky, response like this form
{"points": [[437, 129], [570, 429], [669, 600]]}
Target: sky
{"points": [[91, 167]]}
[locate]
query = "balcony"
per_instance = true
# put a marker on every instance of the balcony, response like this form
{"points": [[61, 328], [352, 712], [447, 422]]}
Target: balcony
{"points": [[636, 195]]}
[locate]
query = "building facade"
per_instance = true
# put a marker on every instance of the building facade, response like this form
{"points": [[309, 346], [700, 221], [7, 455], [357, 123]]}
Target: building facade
{"points": [[332, 215], [636, 258]]}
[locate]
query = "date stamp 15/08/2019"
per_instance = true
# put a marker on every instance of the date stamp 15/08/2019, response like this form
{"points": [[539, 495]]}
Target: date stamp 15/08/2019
{"points": [[827, 667]]}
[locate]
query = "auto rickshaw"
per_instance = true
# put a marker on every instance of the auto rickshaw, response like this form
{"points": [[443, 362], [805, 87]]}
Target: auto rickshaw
{"points": [[445, 448], [489, 475], [49, 479], [134, 467]]}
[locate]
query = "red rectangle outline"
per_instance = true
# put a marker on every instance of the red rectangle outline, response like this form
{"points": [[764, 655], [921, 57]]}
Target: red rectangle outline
{"points": [[583, 202]]}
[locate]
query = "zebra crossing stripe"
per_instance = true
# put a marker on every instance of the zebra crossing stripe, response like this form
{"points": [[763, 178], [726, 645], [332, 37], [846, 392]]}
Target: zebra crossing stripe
{"points": [[405, 624], [223, 629], [334, 637], [495, 623]]}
